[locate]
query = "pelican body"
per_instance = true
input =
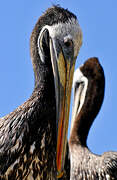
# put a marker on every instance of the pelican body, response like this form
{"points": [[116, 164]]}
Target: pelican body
{"points": [[89, 85], [33, 137]]}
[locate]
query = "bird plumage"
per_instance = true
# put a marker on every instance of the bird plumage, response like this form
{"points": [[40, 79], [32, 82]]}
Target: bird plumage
{"points": [[28, 135], [24, 149], [85, 164]]}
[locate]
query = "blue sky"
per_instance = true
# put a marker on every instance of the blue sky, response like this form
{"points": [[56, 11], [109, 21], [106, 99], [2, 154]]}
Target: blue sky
{"points": [[98, 20]]}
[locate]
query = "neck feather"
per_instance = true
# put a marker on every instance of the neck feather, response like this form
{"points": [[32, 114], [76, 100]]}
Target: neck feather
{"points": [[90, 108]]}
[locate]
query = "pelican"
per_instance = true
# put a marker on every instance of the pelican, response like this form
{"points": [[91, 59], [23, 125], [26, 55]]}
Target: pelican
{"points": [[89, 85], [33, 137]]}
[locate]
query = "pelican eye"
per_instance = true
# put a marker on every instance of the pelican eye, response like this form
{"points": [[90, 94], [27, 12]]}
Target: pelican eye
{"points": [[68, 43]]}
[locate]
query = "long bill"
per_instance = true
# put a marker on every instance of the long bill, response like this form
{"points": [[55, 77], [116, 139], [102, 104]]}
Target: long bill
{"points": [[63, 69]]}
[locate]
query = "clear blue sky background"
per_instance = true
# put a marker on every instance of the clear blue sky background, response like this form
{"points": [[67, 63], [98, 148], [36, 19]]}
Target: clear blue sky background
{"points": [[98, 20]]}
